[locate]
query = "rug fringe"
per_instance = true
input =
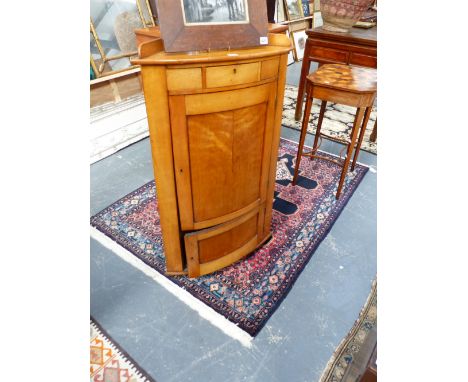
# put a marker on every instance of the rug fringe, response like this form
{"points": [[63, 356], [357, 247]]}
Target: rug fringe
{"points": [[216, 319]]}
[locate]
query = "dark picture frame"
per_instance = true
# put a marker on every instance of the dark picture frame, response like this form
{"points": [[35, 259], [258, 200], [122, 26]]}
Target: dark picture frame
{"points": [[271, 7], [305, 8], [182, 36]]}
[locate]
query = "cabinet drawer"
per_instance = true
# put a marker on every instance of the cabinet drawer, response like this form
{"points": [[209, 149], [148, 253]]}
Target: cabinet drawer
{"points": [[363, 60], [269, 69], [184, 79], [219, 76]]}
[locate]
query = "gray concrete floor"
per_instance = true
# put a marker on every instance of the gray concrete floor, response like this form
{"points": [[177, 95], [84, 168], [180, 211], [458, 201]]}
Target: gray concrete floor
{"points": [[173, 343]]}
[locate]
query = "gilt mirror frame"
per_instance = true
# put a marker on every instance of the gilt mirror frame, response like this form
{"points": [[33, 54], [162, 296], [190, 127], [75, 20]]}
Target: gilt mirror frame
{"points": [[182, 36]]}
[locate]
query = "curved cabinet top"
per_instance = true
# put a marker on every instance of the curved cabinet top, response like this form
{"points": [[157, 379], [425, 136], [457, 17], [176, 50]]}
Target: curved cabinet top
{"points": [[152, 53]]}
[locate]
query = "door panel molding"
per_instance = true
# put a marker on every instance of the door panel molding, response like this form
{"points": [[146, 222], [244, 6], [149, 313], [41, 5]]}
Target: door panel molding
{"points": [[225, 218], [225, 101], [181, 161]]}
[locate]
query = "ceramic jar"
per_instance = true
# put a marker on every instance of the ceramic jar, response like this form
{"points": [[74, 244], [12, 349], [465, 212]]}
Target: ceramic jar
{"points": [[341, 15]]}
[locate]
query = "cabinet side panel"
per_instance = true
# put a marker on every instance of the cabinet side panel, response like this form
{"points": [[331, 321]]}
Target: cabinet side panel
{"points": [[157, 108], [270, 129], [275, 142]]}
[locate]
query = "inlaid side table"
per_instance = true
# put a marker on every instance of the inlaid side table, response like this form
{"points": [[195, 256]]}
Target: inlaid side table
{"points": [[357, 47], [343, 84]]}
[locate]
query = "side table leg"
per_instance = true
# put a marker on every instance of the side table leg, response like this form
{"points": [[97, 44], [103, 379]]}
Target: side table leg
{"points": [[302, 80], [373, 136], [305, 124], [356, 125], [323, 107], [361, 136]]}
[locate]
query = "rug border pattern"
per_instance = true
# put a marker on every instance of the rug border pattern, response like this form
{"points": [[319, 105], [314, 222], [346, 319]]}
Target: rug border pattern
{"points": [[340, 350]]}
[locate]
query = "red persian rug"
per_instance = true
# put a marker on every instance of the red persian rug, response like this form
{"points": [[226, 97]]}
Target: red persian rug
{"points": [[248, 292], [109, 362]]}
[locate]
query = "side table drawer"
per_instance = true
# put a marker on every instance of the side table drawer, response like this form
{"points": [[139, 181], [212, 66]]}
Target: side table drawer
{"points": [[363, 60], [327, 54], [229, 75]]}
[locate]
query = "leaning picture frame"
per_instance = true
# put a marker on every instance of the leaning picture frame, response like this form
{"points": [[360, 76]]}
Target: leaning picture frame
{"points": [[293, 9], [198, 25], [291, 58], [299, 38], [280, 12]]}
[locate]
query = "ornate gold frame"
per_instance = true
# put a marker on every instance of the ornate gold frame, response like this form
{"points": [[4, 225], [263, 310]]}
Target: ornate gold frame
{"points": [[99, 68]]}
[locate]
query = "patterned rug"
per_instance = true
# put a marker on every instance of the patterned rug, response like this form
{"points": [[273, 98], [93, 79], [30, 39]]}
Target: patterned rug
{"points": [[249, 291], [339, 364], [337, 122], [109, 362]]}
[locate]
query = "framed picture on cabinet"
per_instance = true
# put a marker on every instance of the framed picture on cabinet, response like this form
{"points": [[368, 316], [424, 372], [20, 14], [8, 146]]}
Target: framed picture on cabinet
{"points": [[194, 25]]}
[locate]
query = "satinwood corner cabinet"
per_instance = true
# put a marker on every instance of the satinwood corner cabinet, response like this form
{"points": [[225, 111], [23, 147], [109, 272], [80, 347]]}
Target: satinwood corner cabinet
{"points": [[214, 120]]}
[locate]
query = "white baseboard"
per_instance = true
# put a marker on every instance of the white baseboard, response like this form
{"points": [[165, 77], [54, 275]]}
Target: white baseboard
{"points": [[115, 126]]}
